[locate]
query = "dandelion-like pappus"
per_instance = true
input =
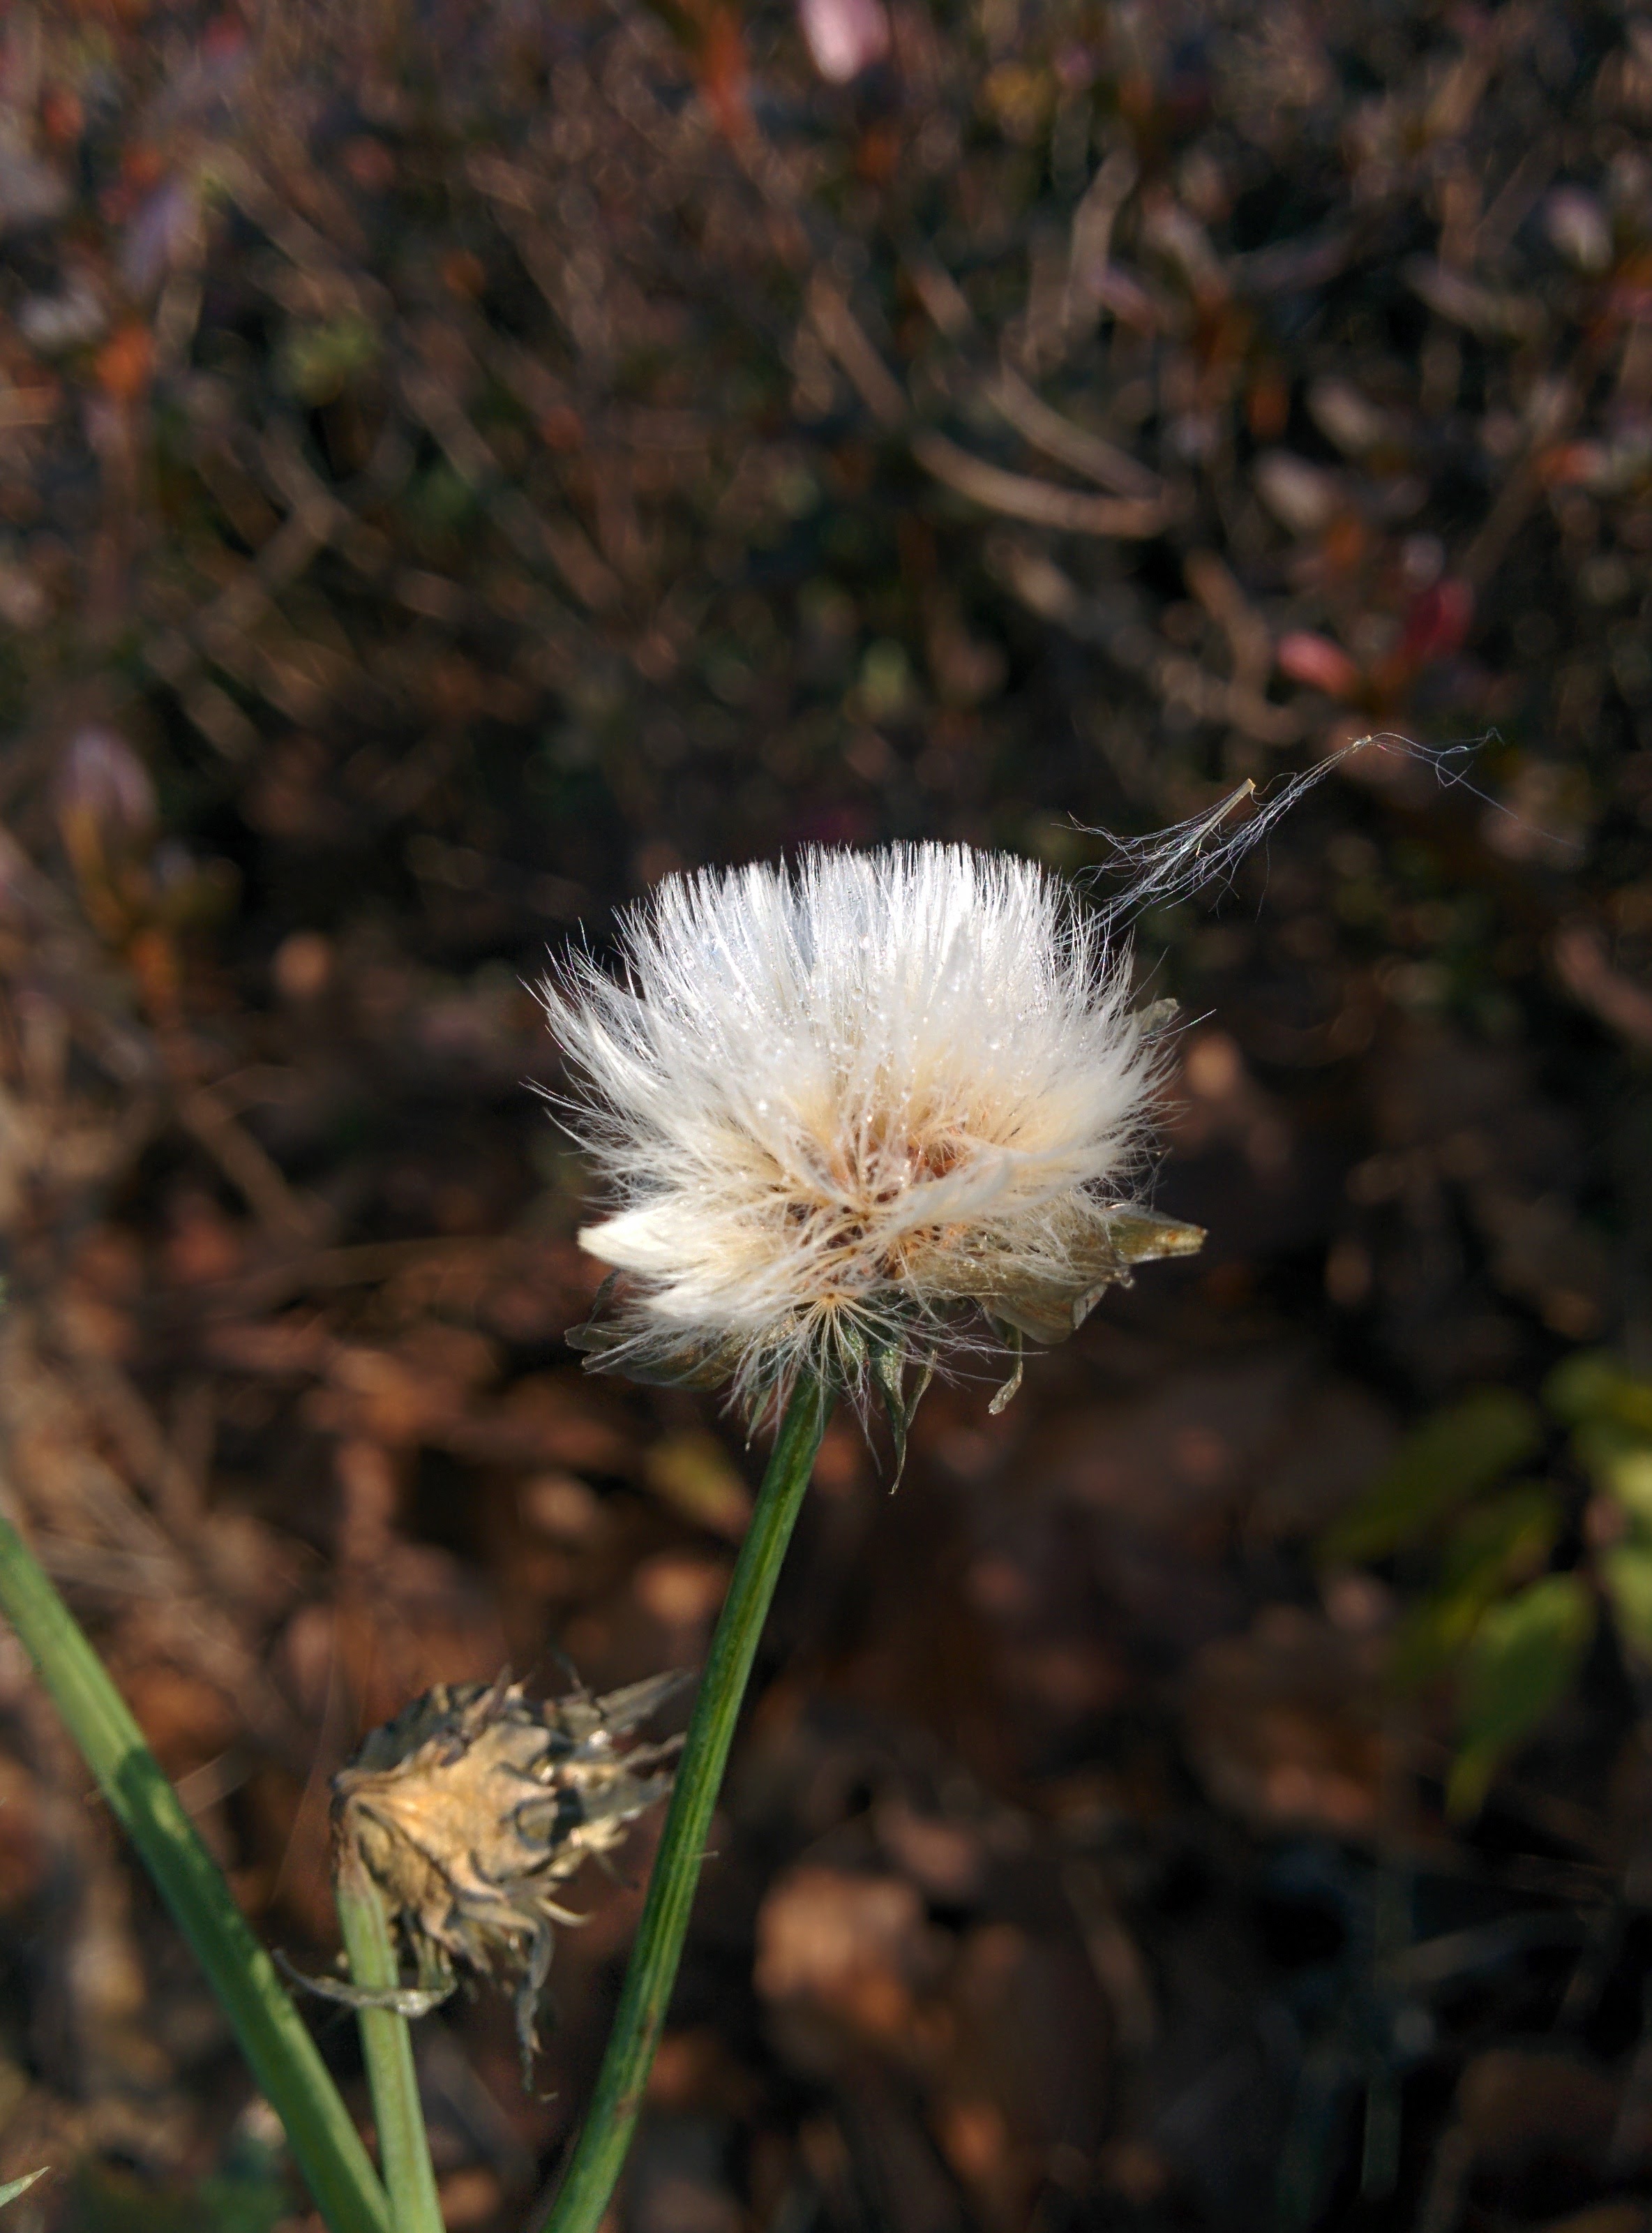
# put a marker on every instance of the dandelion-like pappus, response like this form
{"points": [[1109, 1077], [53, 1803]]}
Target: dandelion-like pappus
{"points": [[875, 1111]]}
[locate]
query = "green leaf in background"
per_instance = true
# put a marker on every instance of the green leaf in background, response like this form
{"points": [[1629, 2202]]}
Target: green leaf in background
{"points": [[1619, 1462], [1610, 1413], [1504, 1542], [1520, 1659], [113, 2201], [693, 1472], [236, 2205], [1449, 1458], [16, 2186], [1593, 1385], [318, 359], [1626, 1570]]}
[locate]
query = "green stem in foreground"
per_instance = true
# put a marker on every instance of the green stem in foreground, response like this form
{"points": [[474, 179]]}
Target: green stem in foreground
{"points": [[387, 2048], [290, 2072], [591, 2174]]}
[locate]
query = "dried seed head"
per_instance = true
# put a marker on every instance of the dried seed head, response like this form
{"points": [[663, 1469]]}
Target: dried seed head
{"points": [[472, 1806]]}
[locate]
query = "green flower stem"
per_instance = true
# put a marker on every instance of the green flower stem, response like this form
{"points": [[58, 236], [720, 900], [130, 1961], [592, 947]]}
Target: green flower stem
{"points": [[583, 2196], [290, 2072], [387, 2048]]}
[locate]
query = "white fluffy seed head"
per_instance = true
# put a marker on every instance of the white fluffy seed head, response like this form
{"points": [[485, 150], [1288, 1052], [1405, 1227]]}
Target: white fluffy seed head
{"points": [[854, 1106]]}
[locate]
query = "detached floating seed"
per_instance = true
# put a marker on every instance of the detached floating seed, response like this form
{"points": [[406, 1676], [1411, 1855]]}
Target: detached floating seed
{"points": [[471, 1807]]}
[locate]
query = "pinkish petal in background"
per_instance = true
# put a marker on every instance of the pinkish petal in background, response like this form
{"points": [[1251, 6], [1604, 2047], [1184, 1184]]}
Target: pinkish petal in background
{"points": [[102, 779], [843, 36], [1578, 227], [1318, 662], [1437, 623]]}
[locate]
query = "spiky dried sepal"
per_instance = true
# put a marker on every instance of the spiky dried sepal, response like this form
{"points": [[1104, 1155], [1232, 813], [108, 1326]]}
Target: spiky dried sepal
{"points": [[475, 1803]]}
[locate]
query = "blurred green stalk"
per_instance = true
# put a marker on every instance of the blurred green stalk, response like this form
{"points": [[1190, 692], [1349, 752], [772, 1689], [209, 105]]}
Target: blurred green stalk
{"points": [[387, 2049], [290, 2072], [594, 2167]]}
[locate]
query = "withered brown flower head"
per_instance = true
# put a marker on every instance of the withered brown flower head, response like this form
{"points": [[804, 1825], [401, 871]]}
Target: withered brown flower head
{"points": [[474, 1804]]}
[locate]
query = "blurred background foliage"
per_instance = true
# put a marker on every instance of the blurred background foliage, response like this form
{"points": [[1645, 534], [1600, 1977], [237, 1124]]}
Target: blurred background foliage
{"points": [[1511, 1620], [459, 463]]}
